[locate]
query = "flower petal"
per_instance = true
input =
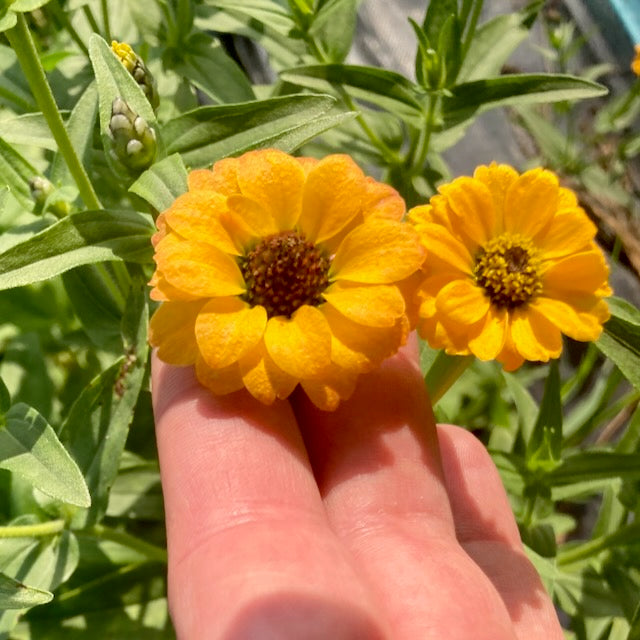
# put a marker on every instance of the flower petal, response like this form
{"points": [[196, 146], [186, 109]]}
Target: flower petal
{"points": [[171, 330], [382, 201], [164, 292], [327, 393], [219, 381], [534, 336], [509, 356], [247, 213], [201, 180], [530, 202], [487, 340], [442, 244], [498, 178], [274, 180], [463, 302], [577, 325], [333, 195], [263, 378], [379, 251], [372, 305], [300, 345], [227, 329], [195, 215], [471, 201], [225, 177], [200, 269], [585, 272], [570, 231]]}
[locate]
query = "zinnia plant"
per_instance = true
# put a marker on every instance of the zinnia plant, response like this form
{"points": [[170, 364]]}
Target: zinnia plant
{"points": [[511, 265], [275, 271]]}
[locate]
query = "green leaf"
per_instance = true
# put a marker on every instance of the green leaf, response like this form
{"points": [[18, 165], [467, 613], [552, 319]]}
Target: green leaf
{"points": [[438, 12], [5, 399], [14, 87], [471, 98], [15, 595], [620, 340], [595, 465], [634, 632], [30, 129], [207, 134], [80, 238], [443, 373], [333, 27], [30, 448], [15, 172], [208, 66], [387, 89], [97, 425], [545, 444], [162, 183]]}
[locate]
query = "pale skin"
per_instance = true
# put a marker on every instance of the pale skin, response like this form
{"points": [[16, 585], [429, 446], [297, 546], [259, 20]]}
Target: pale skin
{"points": [[371, 522]]}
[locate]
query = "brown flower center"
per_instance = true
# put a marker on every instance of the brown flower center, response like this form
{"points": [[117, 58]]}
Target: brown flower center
{"points": [[507, 268], [283, 272]]}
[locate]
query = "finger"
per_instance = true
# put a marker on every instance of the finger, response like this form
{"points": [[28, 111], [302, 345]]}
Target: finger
{"points": [[486, 528], [378, 467], [249, 546]]}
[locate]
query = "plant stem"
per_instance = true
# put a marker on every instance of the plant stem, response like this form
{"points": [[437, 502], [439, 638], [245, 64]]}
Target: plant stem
{"points": [[64, 18], [22, 43], [105, 20], [151, 551], [90, 18], [39, 530]]}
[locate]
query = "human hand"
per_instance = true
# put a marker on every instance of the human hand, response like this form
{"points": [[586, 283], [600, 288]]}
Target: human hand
{"points": [[286, 522]]}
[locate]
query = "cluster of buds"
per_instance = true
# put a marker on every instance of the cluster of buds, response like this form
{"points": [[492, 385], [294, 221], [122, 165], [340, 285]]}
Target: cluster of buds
{"points": [[42, 192], [134, 140], [135, 66]]}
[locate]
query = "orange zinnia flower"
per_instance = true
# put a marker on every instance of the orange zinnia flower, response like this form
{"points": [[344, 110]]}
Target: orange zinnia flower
{"points": [[635, 64], [275, 271], [511, 265]]}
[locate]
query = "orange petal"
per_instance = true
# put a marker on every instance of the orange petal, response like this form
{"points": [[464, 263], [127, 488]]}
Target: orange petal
{"points": [[164, 292], [300, 345], [441, 244], [200, 269], [263, 378], [274, 180], [382, 201], [487, 340], [201, 180], [372, 305], [196, 216], [584, 272], [227, 329], [219, 381], [224, 178], [472, 203], [171, 330], [509, 357], [463, 302], [531, 202], [249, 213], [378, 251], [498, 178], [333, 195], [534, 336], [327, 393], [570, 231], [577, 325]]}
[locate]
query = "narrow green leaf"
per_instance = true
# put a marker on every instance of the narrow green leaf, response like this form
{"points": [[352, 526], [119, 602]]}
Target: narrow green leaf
{"points": [[5, 399], [546, 440], [97, 425], [620, 340], [207, 134], [595, 465], [634, 632], [470, 98], [15, 172], [30, 448], [30, 129], [443, 373], [162, 183], [80, 238], [14, 87], [333, 28], [16, 595]]}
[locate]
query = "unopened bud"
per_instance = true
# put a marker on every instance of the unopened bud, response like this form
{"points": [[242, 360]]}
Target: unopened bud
{"points": [[47, 197], [133, 63], [40, 189], [134, 140]]}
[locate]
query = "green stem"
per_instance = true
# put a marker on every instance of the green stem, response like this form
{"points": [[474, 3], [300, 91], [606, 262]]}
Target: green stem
{"points": [[22, 43], [105, 20], [424, 140], [151, 551], [64, 18], [90, 18], [39, 530]]}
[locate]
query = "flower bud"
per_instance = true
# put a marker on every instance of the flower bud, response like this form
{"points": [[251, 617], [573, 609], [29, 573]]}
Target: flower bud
{"points": [[133, 63], [47, 197], [134, 140], [41, 189]]}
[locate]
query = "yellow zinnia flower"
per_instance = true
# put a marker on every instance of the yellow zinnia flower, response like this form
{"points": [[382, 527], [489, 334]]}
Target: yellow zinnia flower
{"points": [[275, 271], [635, 64], [511, 265]]}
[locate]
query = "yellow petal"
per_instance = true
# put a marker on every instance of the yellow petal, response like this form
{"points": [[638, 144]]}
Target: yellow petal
{"points": [[227, 329], [577, 325], [441, 244], [333, 195], [487, 340], [224, 178], [570, 231], [530, 203], [327, 393], [249, 213], [471, 201], [372, 305], [196, 216], [534, 336], [462, 301], [382, 201], [171, 330], [201, 180], [584, 272], [509, 356], [264, 380], [164, 292], [430, 288], [219, 381], [378, 251], [300, 345], [497, 178], [200, 269], [275, 181]]}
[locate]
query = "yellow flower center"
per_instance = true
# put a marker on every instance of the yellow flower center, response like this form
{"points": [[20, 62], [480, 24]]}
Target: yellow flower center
{"points": [[507, 268], [283, 272]]}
